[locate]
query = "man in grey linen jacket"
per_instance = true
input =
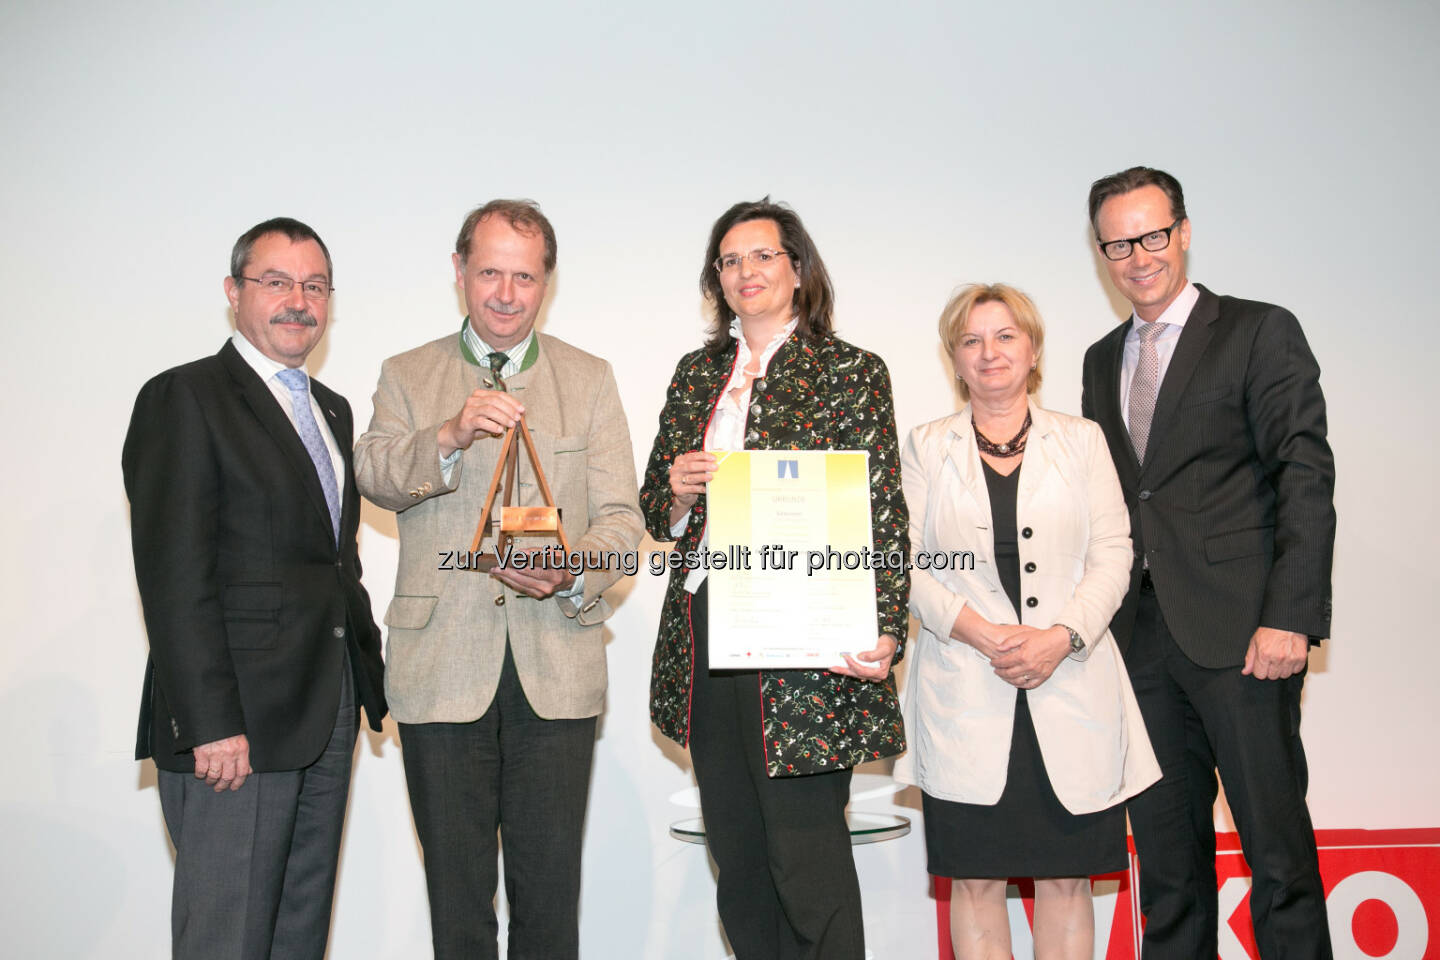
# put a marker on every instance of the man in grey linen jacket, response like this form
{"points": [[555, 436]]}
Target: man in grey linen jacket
{"points": [[497, 679]]}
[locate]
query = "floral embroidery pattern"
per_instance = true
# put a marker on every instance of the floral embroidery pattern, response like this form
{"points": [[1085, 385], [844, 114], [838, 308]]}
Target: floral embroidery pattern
{"points": [[825, 396]]}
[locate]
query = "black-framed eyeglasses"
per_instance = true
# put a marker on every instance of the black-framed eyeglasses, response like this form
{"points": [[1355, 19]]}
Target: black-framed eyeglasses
{"points": [[732, 261], [279, 285], [1154, 241]]}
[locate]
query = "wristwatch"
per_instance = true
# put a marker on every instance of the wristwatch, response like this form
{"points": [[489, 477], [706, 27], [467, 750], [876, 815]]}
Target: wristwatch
{"points": [[1077, 643]]}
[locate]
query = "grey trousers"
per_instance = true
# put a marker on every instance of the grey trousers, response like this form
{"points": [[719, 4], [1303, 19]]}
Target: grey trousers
{"points": [[255, 867]]}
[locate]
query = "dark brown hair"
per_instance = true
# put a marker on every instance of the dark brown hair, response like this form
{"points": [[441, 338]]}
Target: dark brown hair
{"points": [[294, 229], [814, 299], [523, 215], [1133, 179]]}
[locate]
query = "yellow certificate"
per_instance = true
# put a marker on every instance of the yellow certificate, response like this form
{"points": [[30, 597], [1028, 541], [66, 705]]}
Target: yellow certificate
{"points": [[796, 587]]}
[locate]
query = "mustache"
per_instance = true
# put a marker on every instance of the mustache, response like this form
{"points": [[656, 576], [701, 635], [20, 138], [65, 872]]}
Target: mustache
{"points": [[291, 315], [508, 309]]}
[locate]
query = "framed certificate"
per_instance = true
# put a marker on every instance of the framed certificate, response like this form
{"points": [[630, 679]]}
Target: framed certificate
{"points": [[797, 585]]}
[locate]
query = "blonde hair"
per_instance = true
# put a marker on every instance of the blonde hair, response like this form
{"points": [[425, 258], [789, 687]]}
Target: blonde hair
{"points": [[956, 317]]}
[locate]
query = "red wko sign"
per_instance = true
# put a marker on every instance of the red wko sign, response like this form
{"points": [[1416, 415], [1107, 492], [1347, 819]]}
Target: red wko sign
{"points": [[1382, 892]]}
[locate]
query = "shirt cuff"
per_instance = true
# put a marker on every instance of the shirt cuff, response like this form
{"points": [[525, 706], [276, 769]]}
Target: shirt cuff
{"points": [[447, 464], [677, 529]]}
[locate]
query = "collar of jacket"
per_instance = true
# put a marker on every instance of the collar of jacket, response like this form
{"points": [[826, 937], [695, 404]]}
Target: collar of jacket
{"points": [[964, 454], [526, 362], [789, 402]]}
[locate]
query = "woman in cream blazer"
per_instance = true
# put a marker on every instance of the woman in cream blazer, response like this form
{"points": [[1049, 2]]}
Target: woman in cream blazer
{"points": [[1050, 678]]}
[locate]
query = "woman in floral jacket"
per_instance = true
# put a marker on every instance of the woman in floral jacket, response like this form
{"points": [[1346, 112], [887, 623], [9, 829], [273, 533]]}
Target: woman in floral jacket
{"points": [[773, 750]]}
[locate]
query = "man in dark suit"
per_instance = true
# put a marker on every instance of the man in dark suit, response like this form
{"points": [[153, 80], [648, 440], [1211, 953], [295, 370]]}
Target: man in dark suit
{"points": [[262, 647], [1213, 413]]}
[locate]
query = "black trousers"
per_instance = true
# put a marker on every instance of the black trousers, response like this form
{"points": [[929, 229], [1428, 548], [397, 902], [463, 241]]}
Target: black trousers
{"points": [[1200, 719], [787, 887], [255, 867], [529, 778]]}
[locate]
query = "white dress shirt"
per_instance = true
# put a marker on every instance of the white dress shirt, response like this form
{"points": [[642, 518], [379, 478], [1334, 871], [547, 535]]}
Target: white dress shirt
{"points": [[1175, 315], [267, 369]]}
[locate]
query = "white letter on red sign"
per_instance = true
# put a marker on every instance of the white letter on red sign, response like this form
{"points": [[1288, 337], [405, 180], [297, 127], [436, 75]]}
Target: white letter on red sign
{"points": [[1414, 930]]}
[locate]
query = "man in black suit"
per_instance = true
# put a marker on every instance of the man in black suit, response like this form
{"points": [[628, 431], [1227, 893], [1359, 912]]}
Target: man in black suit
{"points": [[1213, 413], [262, 647]]}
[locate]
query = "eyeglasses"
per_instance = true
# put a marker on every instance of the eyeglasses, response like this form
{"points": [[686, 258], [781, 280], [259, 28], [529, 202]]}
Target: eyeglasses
{"points": [[732, 261], [1154, 241], [279, 285]]}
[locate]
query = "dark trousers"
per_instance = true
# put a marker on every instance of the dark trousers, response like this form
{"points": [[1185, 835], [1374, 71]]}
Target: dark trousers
{"points": [[787, 887], [529, 778], [255, 867], [1200, 719]]}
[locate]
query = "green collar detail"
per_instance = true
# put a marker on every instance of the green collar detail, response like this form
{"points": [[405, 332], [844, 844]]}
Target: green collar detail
{"points": [[526, 362]]}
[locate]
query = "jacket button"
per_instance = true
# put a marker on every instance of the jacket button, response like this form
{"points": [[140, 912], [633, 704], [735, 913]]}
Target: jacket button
{"points": [[752, 437], [1031, 602], [755, 410], [1030, 567], [1144, 494], [499, 601], [339, 632], [414, 494], [1027, 533], [760, 384]]}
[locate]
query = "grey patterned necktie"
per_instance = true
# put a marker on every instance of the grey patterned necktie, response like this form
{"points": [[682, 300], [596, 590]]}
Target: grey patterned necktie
{"points": [[1144, 387], [299, 385]]}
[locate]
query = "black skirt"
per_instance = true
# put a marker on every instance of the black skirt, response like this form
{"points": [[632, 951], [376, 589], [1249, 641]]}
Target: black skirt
{"points": [[1028, 833]]}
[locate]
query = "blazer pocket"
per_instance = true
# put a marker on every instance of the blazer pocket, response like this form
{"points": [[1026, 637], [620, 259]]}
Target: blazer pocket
{"points": [[410, 613], [251, 612], [251, 601], [1239, 543], [1206, 396], [575, 444]]}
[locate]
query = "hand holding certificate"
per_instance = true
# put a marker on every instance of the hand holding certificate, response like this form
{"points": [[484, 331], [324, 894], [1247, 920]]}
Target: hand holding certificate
{"points": [[808, 598]]}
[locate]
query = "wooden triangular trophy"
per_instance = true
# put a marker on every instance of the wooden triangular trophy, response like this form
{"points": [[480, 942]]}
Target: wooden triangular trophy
{"points": [[516, 521]]}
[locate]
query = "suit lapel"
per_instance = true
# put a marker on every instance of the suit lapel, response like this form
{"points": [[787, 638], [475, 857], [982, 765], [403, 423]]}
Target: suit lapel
{"points": [[1107, 406], [796, 376], [1194, 338], [537, 390], [1037, 457], [267, 410], [964, 458]]}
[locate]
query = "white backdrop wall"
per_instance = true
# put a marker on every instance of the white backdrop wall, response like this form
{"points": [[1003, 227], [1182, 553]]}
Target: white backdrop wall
{"points": [[925, 145]]}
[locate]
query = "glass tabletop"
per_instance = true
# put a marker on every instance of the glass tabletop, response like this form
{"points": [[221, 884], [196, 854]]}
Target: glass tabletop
{"points": [[864, 828]]}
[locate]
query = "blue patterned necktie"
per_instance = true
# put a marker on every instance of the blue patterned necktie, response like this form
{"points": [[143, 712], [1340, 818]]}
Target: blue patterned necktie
{"points": [[299, 385]]}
